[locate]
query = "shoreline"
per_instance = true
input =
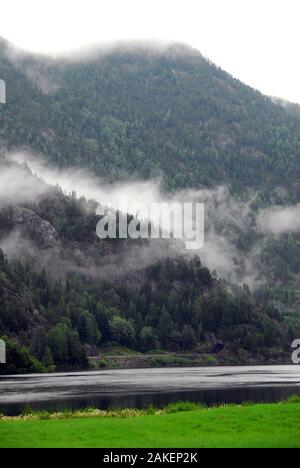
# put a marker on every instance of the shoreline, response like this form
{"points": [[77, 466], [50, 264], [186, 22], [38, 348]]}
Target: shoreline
{"points": [[159, 361], [120, 413], [179, 425]]}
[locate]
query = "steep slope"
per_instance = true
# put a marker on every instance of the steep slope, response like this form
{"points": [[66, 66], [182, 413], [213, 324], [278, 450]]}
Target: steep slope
{"points": [[65, 293], [176, 306], [139, 111]]}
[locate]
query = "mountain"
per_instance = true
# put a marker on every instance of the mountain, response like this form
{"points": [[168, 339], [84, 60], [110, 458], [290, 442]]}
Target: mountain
{"points": [[64, 294], [137, 111], [140, 112]]}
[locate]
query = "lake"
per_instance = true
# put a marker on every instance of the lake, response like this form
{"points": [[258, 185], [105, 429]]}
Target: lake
{"points": [[141, 387]]}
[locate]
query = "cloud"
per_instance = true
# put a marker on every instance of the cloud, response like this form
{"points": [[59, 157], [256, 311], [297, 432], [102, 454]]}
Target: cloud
{"points": [[18, 185], [225, 217], [86, 185], [279, 220]]}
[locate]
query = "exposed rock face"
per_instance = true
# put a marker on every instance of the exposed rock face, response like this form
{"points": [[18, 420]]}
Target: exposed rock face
{"points": [[41, 231], [30, 237], [80, 258]]}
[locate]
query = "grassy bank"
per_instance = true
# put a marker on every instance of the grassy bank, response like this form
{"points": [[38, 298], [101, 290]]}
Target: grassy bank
{"points": [[149, 361], [179, 425], [120, 357]]}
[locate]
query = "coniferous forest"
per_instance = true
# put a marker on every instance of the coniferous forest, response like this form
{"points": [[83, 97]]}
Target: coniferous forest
{"points": [[141, 114]]}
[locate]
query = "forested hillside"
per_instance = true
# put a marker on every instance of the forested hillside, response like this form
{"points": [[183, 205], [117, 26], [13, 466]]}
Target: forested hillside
{"points": [[176, 306], [137, 111], [65, 293], [134, 113]]}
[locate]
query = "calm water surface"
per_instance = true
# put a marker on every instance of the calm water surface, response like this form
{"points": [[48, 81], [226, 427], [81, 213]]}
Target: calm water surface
{"points": [[142, 387]]}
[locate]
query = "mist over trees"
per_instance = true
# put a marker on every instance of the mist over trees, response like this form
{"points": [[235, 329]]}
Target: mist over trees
{"points": [[130, 115], [179, 307]]}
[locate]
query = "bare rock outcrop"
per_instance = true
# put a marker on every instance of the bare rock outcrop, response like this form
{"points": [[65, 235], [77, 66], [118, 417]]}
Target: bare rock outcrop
{"points": [[36, 228]]}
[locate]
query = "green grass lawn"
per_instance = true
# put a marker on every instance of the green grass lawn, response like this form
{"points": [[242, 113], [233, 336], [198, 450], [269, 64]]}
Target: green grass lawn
{"points": [[262, 425]]}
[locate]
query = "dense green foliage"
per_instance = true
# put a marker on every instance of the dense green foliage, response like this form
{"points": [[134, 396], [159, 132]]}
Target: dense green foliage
{"points": [[141, 113], [59, 322], [173, 304]]}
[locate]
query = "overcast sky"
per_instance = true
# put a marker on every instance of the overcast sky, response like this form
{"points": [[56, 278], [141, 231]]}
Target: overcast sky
{"points": [[255, 40]]}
